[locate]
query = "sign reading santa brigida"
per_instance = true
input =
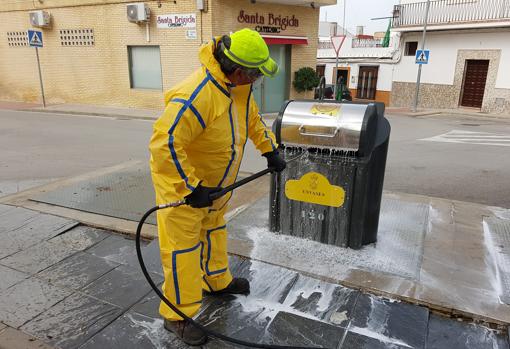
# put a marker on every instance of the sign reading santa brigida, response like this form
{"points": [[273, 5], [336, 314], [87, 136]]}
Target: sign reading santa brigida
{"points": [[280, 21]]}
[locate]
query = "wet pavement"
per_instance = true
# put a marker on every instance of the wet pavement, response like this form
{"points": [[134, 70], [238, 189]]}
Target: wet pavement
{"points": [[73, 286]]}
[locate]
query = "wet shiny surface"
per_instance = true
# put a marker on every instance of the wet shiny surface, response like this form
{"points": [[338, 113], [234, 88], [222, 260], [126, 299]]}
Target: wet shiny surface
{"points": [[97, 298], [456, 271]]}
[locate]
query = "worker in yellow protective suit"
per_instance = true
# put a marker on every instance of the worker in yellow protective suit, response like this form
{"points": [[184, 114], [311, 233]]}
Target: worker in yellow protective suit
{"points": [[196, 148]]}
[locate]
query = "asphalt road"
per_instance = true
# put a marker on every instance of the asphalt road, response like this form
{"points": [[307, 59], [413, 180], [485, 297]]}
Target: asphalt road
{"points": [[39, 147]]}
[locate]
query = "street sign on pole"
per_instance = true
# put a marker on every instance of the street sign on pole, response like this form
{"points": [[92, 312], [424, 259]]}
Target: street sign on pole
{"points": [[35, 39], [418, 78], [422, 56], [337, 42]]}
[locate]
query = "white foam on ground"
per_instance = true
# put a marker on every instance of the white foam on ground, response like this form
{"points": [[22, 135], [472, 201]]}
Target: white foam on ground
{"points": [[314, 253]]}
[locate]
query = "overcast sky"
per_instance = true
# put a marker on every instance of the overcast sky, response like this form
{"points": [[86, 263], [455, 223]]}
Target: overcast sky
{"points": [[359, 12]]}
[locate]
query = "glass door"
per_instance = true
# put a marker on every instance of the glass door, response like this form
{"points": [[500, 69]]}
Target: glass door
{"points": [[272, 92]]}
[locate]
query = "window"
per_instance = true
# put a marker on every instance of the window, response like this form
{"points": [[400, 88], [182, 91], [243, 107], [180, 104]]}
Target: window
{"points": [[320, 70], [411, 47], [145, 67]]}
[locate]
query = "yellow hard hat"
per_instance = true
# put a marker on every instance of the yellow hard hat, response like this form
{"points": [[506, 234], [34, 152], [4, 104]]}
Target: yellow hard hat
{"points": [[248, 48]]}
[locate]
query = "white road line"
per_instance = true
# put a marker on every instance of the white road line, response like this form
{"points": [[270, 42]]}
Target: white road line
{"points": [[470, 137]]}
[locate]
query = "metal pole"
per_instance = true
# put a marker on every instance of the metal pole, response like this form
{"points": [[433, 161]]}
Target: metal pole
{"points": [[418, 78], [343, 24], [335, 83], [40, 77]]}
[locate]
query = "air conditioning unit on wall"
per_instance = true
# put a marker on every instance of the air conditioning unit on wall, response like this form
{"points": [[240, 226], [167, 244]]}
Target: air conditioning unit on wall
{"points": [[138, 12], [40, 19]]}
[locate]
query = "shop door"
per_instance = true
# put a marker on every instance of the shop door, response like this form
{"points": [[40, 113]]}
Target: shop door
{"points": [[473, 87], [271, 94], [367, 82]]}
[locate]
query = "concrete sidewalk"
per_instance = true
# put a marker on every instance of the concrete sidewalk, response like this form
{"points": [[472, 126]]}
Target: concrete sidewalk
{"points": [[93, 110], [72, 286], [85, 109], [465, 112]]}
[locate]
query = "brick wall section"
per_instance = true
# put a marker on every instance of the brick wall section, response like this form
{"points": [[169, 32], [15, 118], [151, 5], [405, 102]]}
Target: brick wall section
{"points": [[226, 12], [99, 74]]}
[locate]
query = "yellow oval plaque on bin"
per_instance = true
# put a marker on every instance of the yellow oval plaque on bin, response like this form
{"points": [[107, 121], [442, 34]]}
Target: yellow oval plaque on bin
{"points": [[314, 188]]}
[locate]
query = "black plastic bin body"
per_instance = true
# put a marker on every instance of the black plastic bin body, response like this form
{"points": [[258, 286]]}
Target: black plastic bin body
{"points": [[359, 173]]}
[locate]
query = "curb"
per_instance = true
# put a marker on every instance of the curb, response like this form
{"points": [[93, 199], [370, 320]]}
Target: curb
{"points": [[68, 112]]}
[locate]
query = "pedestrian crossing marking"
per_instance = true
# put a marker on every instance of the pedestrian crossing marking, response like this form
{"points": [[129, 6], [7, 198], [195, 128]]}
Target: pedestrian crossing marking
{"points": [[470, 137]]}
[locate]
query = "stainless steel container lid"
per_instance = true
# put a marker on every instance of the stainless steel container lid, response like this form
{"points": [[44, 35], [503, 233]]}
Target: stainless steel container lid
{"points": [[322, 125]]}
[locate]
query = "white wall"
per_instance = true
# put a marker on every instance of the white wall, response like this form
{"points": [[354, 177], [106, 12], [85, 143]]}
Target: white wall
{"points": [[443, 48], [383, 80]]}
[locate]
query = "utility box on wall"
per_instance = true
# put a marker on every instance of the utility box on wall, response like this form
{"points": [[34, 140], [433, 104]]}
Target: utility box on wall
{"points": [[40, 19], [138, 12]]}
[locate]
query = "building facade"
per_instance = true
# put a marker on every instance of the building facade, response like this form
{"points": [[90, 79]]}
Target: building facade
{"points": [[93, 54], [365, 66], [469, 66]]}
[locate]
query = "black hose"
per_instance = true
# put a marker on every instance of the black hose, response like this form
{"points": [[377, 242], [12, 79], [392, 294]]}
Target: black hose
{"points": [[173, 307]]}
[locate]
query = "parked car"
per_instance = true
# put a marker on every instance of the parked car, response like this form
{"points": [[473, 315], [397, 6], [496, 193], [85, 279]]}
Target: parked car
{"points": [[328, 93]]}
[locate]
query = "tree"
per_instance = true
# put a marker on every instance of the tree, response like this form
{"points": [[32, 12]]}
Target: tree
{"points": [[305, 79]]}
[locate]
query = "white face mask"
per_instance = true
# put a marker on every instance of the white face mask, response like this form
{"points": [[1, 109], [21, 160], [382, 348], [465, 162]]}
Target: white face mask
{"points": [[258, 82]]}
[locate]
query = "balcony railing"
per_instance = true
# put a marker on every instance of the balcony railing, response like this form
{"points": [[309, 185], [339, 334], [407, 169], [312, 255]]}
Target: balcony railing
{"points": [[451, 12], [362, 43]]}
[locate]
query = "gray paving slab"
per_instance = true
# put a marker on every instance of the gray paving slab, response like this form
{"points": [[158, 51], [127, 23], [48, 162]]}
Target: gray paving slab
{"points": [[27, 299], [356, 341], [81, 237], [70, 323], [2, 326], [390, 321], [116, 248], [9, 277], [247, 317], [149, 305], [77, 271], [452, 334], [325, 301], [294, 330], [11, 338], [226, 314], [267, 282], [38, 228], [134, 331], [122, 286], [13, 219], [151, 257], [38, 257]]}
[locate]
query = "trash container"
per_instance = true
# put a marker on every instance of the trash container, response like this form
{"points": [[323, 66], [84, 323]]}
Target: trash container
{"points": [[332, 187]]}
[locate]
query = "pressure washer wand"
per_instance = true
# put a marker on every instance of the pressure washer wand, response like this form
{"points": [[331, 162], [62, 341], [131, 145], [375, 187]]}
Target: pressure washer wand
{"points": [[155, 288], [218, 194]]}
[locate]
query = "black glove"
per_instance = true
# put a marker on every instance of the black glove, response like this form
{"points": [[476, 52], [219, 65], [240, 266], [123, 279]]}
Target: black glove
{"points": [[200, 197], [275, 161]]}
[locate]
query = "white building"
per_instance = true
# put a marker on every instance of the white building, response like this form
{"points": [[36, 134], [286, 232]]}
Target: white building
{"points": [[469, 43], [363, 63]]}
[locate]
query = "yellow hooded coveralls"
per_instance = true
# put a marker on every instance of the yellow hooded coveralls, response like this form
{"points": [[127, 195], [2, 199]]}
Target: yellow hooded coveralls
{"points": [[200, 138]]}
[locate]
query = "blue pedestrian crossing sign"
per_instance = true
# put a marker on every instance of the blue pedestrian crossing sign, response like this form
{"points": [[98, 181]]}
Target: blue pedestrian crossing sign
{"points": [[35, 38], [422, 56]]}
